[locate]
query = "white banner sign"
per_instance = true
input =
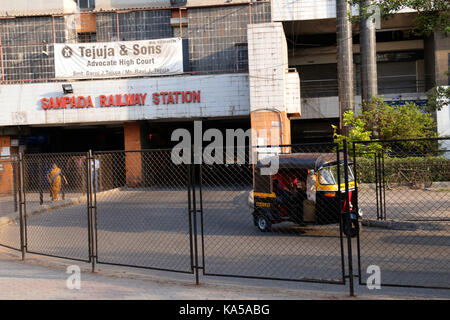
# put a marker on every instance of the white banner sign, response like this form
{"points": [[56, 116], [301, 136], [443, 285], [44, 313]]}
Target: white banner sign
{"points": [[119, 59]]}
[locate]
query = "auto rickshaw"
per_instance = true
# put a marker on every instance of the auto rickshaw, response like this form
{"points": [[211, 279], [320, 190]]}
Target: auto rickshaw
{"points": [[282, 196]]}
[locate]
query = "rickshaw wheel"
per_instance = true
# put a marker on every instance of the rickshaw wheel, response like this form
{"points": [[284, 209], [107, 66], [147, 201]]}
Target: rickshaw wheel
{"points": [[354, 229], [263, 223]]}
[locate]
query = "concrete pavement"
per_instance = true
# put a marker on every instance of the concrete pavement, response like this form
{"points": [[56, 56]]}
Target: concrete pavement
{"points": [[42, 280], [45, 278]]}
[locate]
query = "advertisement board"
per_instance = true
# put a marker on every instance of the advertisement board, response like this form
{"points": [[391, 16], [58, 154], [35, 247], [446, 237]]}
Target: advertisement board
{"points": [[119, 59]]}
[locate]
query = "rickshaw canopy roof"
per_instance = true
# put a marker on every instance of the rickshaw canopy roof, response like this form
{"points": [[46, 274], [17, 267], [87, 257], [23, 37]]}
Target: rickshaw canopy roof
{"points": [[313, 161]]}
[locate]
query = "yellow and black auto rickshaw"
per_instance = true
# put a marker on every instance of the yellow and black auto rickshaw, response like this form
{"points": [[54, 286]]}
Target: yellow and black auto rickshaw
{"points": [[305, 191]]}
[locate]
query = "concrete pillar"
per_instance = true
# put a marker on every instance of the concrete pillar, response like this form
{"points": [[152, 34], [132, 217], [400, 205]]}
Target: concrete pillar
{"points": [[344, 59], [437, 56], [442, 57], [368, 52], [270, 98], [273, 127], [6, 169], [133, 160]]}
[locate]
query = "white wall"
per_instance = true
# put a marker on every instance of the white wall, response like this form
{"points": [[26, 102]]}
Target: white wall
{"points": [[292, 93], [443, 126], [267, 65], [221, 96], [268, 69], [45, 7], [213, 2], [36, 7], [126, 4], [289, 10]]}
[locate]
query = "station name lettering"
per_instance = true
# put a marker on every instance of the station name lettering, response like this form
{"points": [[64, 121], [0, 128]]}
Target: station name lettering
{"points": [[120, 100]]}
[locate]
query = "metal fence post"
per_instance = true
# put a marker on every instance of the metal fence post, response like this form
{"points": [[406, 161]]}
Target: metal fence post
{"points": [[380, 185], [341, 221], [21, 206], [15, 186], [355, 174], [191, 234], [94, 213], [89, 197], [356, 206], [383, 181], [194, 213], [41, 184], [63, 191], [348, 221], [375, 155]]}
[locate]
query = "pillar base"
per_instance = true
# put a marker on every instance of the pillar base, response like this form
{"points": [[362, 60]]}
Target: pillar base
{"points": [[133, 160]]}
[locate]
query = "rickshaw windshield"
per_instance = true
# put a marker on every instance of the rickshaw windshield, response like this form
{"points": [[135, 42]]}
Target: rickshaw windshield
{"points": [[328, 175]]}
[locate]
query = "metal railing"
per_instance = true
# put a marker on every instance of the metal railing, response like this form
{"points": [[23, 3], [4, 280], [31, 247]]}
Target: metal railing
{"points": [[405, 196], [386, 85], [140, 209]]}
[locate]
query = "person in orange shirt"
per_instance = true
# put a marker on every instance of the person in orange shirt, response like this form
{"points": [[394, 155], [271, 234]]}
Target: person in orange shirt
{"points": [[54, 178]]}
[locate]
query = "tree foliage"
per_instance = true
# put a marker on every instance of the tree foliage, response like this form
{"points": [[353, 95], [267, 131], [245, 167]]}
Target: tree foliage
{"points": [[397, 121], [438, 97], [357, 132], [432, 15], [381, 121]]}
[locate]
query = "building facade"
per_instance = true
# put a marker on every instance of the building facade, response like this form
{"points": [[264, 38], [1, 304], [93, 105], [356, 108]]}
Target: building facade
{"points": [[219, 80], [407, 65], [265, 65]]}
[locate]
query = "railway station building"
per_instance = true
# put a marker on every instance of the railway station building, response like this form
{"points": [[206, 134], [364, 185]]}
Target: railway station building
{"points": [[80, 75]]}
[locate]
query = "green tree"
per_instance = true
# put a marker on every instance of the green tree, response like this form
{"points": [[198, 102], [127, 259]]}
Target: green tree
{"points": [[357, 132], [380, 121], [432, 15], [397, 121]]}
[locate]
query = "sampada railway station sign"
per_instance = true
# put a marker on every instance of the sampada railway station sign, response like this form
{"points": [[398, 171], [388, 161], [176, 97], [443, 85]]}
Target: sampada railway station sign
{"points": [[120, 100], [119, 59], [130, 99]]}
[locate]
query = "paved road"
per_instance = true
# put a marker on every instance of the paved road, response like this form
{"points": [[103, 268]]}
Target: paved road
{"points": [[151, 229], [404, 203]]}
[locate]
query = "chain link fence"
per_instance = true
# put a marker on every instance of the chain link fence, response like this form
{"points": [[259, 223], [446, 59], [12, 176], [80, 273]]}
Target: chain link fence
{"points": [[142, 219], [404, 194], [56, 218], [267, 226], [298, 223]]}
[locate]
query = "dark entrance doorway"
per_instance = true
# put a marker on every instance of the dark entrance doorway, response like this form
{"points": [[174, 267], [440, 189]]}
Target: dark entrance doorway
{"points": [[157, 135], [304, 131], [74, 139]]}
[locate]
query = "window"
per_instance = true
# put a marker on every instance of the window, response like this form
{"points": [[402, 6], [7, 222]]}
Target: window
{"points": [[86, 4], [241, 56], [87, 37], [328, 175]]}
